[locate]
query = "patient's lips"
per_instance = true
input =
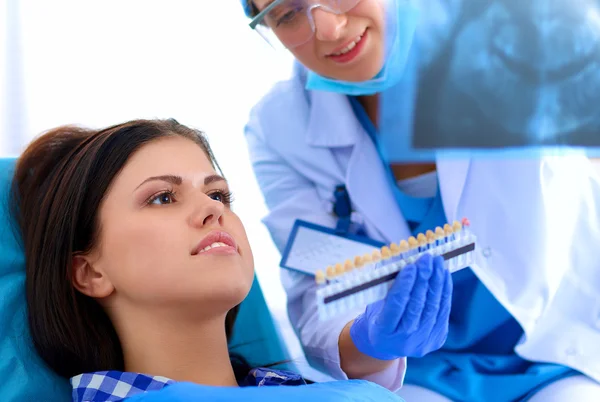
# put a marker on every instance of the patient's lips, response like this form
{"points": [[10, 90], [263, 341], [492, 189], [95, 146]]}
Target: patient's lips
{"points": [[216, 242]]}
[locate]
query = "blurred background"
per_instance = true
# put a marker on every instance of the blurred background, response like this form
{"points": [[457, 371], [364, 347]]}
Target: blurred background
{"points": [[97, 63]]}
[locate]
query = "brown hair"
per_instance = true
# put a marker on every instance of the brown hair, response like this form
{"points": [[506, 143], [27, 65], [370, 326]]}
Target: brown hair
{"points": [[253, 9], [58, 186]]}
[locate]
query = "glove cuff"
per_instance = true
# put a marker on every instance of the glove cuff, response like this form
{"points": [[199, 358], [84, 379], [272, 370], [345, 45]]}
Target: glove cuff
{"points": [[359, 333]]}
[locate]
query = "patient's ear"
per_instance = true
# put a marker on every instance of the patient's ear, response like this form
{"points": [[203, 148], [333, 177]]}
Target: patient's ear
{"points": [[89, 279]]}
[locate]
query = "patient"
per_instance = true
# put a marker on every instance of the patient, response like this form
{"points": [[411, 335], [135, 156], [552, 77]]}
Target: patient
{"points": [[135, 261]]}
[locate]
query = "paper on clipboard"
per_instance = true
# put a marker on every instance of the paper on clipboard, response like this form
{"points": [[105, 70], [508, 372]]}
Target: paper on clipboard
{"points": [[312, 247]]}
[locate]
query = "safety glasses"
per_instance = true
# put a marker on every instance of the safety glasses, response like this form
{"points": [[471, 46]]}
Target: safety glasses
{"points": [[291, 22]]}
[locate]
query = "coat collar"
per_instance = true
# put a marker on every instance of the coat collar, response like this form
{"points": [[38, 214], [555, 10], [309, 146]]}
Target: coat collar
{"points": [[452, 177], [325, 128]]}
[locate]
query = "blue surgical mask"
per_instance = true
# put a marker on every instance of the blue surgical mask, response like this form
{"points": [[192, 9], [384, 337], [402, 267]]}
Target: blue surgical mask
{"points": [[400, 30]]}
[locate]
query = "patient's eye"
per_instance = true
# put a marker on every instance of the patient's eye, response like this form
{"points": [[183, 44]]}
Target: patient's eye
{"points": [[222, 196], [164, 197]]}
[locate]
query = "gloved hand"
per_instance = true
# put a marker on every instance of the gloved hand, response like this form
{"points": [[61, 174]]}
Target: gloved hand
{"points": [[413, 318], [335, 391]]}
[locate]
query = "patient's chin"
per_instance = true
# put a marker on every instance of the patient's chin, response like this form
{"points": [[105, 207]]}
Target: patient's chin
{"points": [[193, 291], [217, 299], [235, 292]]}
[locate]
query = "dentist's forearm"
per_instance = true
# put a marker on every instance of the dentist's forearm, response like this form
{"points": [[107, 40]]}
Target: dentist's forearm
{"points": [[355, 363]]}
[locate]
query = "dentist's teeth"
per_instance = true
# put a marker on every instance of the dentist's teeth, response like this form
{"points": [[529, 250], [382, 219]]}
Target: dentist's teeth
{"points": [[349, 47], [215, 244]]}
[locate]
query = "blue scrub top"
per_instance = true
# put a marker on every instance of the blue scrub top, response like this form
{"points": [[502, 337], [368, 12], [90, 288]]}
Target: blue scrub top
{"points": [[477, 362]]}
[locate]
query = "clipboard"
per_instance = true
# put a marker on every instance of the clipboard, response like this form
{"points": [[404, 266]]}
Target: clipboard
{"points": [[311, 247]]}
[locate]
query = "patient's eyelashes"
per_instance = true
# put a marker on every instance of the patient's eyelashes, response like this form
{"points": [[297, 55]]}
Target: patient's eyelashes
{"points": [[161, 198], [169, 197], [224, 196]]}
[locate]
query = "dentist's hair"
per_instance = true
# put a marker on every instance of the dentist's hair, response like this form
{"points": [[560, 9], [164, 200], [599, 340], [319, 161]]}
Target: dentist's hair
{"points": [[59, 183]]}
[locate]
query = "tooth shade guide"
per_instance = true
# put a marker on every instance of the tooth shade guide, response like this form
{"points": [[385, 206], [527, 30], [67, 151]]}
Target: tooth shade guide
{"points": [[447, 229], [320, 277], [330, 272], [456, 226], [358, 262], [390, 277], [403, 246], [372, 283], [386, 253]]}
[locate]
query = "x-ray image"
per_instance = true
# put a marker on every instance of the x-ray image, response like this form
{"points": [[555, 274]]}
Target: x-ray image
{"points": [[507, 73]]}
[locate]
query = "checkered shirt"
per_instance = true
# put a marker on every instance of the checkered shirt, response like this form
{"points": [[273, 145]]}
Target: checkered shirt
{"points": [[114, 386]]}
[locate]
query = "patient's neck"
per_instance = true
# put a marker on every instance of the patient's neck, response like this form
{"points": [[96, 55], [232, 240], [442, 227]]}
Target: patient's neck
{"points": [[177, 348]]}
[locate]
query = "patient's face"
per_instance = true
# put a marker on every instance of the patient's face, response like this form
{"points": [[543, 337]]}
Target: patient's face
{"points": [[165, 203]]}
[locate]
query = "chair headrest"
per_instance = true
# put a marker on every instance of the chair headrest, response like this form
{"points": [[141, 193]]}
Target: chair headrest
{"points": [[24, 375]]}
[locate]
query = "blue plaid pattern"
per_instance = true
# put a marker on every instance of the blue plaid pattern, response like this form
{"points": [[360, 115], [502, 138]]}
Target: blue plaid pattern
{"points": [[114, 386]]}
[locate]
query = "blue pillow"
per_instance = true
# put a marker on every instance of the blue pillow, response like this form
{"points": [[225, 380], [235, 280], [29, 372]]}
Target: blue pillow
{"points": [[332, 391], [25, 377]]}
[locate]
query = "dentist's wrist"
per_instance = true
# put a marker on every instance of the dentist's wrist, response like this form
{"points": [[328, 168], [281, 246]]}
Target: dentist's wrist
{"points": [[355, 363]]}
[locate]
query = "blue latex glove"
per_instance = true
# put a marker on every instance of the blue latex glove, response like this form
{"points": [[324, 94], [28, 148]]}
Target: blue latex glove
{"points": [[413, 318], [335, 391]]}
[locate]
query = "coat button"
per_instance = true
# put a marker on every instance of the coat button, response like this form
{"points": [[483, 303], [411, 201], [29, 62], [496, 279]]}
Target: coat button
{"points": [[487, 252], [357, 218]]}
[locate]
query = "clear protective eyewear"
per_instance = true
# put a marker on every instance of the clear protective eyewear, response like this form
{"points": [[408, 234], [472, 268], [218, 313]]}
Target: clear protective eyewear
{"points": [[291, 22]]}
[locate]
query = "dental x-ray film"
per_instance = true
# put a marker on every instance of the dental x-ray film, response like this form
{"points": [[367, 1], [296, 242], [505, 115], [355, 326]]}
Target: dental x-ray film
{"points": [[489, 75]]}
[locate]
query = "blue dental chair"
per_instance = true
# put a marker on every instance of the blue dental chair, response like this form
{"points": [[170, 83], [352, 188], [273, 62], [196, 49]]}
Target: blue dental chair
{"points": [[25, 377]]}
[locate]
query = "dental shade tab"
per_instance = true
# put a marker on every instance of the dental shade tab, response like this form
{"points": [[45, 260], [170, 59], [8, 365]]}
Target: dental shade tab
{"points": [[368, 278]]}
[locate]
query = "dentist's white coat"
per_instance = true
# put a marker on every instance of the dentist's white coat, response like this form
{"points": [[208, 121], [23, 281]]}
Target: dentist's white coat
{"points": [[537, 223]]}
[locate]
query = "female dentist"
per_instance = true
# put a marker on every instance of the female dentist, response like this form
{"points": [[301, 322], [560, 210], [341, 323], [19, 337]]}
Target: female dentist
{"points": [[524, 321]]}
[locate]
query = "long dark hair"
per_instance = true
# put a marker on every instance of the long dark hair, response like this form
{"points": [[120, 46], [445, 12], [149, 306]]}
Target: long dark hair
{"points": [[58, 185]]}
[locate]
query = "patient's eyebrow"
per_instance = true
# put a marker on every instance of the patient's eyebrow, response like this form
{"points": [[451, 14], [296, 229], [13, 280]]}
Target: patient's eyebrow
{"points": [[213, 178], [177, 180], [169, 178]]}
